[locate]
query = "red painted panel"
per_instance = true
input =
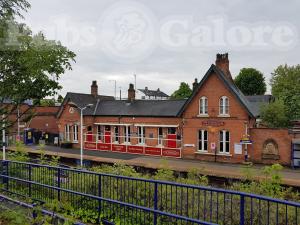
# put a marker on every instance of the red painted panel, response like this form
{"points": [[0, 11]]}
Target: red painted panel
{"points": [[89, 137], [89, 145], [105, 147], [171, 142], [135, 149], [107, 137], [171, 152], [119, 148], [152, 151]]}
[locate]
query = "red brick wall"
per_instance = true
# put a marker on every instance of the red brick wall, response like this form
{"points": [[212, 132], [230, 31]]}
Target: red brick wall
{"points": [[213, 89], [282, 138]]}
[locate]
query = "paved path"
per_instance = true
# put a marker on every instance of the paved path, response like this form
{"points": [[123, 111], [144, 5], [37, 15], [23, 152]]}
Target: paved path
{"points": [[290, 177]]}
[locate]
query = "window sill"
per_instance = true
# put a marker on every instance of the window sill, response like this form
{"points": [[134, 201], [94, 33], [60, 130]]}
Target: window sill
{"points": [[224, 115], [210, 153], [202, 115], [204, 153], [75, 142], [224, 154]]}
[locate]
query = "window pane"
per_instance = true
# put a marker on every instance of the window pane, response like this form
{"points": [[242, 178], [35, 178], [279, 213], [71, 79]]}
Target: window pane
{"points": [[227, 146], [205, 135], [205, 146], [227, 135]]}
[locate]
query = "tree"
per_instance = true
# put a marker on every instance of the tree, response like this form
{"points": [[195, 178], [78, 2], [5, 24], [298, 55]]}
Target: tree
{"points": [[30, 65], [13, 7], [60, 99], [184, 91], [274, 114], [251, 82], [285, 83]]}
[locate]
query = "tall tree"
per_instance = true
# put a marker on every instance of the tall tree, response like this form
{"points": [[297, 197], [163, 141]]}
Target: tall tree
{"points": [[184, 91], [251, 82], [274, 114], [285, 84], [30, 65]]}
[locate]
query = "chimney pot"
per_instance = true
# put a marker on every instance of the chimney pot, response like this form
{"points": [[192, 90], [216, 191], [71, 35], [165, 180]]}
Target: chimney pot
{"points": [[94, 88], [222, 62], [131, 93], [195, 84]]}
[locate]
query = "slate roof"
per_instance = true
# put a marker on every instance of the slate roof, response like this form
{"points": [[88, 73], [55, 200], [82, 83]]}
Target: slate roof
{"points": [[151, 108], [107, 106], [82, 100], [229, 84], [157, 93], [256, 101]]}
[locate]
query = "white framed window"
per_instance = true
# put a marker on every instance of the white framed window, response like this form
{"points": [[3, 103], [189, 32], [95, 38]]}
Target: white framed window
{"points": [[116, 134], [224, 105], [127, 134], [100, 133], [141, 135], [75, 133], [203, 106], [160, 136], [224, 138], [202, 140], [67, 132]]}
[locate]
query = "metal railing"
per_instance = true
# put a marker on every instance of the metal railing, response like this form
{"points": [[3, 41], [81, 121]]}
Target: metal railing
{"points": [[142, 201]]}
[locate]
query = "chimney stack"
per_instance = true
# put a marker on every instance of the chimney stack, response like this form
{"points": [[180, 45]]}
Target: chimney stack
{"points": [[131, 93], [94, 88], [222, 62], [195, 84]]}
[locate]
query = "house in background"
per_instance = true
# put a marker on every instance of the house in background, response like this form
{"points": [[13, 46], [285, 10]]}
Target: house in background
{"points": [[148, 94]]}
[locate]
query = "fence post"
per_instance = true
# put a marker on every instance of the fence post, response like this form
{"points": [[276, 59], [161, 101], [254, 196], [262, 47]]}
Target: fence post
{"points": [[242, 209], [155, 202], [100, 195], [5, 172], [29, 178], [58, 183]]}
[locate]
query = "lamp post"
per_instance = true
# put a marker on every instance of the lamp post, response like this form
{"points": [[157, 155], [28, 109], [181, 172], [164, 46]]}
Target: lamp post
{"points": [[3, 137], [81, 128]]}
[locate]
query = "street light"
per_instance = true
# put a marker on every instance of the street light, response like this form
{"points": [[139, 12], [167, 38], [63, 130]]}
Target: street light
{"points": [[81, 127]]}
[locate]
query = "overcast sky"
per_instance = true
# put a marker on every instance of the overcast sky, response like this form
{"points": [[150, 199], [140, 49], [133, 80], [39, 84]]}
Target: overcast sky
{"points": [[166, 42]]}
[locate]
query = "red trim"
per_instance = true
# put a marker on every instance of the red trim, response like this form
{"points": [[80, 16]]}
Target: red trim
{"points": [[152, 151], [119, 148], [104, 147], [133, 149], [171, 152]]}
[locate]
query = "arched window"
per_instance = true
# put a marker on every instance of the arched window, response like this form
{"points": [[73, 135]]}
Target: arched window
{"points": [[203, 106], [224, 105]]}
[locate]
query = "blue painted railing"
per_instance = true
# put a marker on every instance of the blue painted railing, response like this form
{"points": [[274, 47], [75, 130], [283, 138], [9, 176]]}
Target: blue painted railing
{"points": [[128, 200]]}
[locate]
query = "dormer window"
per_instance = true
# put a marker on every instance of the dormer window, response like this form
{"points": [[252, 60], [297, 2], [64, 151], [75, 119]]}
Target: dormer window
{"points": [[224, 106], [203, 106]]}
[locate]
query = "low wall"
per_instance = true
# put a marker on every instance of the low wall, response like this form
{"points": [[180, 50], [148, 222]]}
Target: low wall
{"points": [[270, 146]]}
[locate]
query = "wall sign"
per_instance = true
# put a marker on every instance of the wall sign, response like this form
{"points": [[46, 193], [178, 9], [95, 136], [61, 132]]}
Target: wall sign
{"points": [[213, 123], [189, 145], [213, 146], [238, 149]]}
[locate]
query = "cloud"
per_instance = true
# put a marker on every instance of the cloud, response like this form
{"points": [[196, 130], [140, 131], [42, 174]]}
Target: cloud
{"points": [[137, 52]]}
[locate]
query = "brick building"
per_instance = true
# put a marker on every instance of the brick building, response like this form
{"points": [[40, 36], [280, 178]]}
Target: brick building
{"points": [[217, 123]]}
